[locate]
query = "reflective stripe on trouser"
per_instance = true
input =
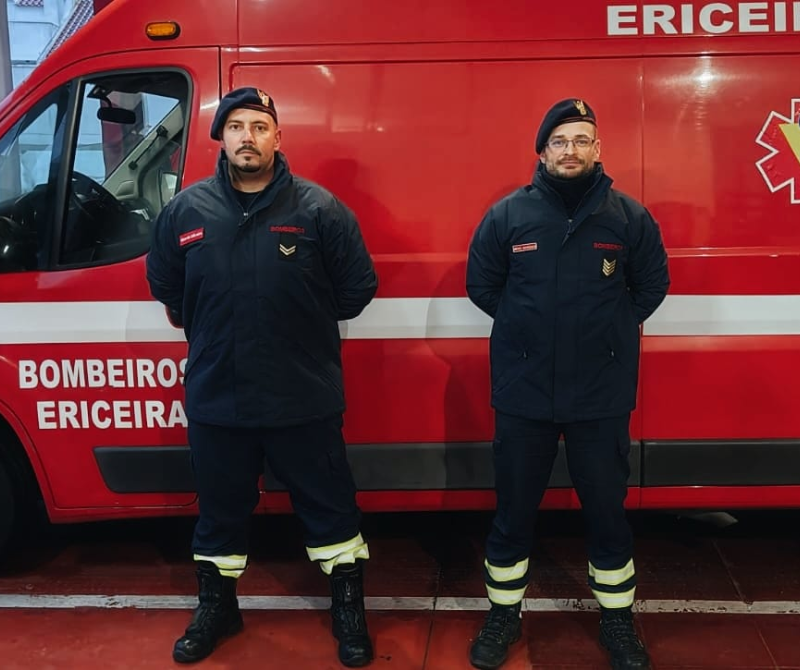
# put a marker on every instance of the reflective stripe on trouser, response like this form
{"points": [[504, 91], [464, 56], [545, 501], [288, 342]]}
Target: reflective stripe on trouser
{"points": [[310, 460], [506, 585], [613, 589], [228, 566], [337, 554]]}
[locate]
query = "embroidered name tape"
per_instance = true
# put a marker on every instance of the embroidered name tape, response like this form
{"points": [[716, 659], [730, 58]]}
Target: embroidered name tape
{"points": [[192, 236]]}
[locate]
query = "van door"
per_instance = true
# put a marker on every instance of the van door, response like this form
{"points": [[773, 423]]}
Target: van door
{"points": [[91, 369]]}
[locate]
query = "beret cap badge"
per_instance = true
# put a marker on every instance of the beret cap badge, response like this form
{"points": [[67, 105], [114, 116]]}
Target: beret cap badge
{"points": [[569, 110]]}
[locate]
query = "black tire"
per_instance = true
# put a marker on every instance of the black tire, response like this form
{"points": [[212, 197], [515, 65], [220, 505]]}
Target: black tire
{"points": [[8, 509]]}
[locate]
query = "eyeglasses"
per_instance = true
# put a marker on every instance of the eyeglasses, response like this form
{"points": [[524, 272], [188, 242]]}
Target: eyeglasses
{"points": [[559, 143]]}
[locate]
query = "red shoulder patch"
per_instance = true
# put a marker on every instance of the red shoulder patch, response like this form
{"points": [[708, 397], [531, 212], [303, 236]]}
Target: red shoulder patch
{"points": [[192, 236]]}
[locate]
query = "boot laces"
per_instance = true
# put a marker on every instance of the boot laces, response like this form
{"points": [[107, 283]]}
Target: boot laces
{"points": [[619, 629], [203, 622], [208, 618], [350, 619], [498, 623]]}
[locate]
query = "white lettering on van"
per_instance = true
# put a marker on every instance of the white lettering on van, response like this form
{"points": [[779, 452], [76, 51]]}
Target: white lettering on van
{"points": [[46, 412], [98, 421], [177, 417], [117, 415], [116, 376], [707, 16], [68, 414], [619, 15], [144, 373], [49, 375], [96, 373], [113, 373], [687, 19], [74, 374], [749, 14], [780, 17], [658, 15], [154, 411], [28, 379], [714, 18], [167, 373]]}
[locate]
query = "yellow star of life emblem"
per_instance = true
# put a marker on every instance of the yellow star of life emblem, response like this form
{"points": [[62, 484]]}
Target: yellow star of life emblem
{"points": [[780, 135]]}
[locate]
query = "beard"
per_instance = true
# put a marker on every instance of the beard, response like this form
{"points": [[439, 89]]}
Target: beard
{"points": [[250, 163], [247, 168], [573, 172]]}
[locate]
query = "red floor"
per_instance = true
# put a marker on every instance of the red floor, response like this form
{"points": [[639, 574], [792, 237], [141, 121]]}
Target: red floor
{"points": [[436, 558]]}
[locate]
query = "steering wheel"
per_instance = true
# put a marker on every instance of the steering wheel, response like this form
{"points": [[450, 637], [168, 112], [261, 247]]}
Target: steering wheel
{"points": [[10, 229], [86, 190], [17, 248]]}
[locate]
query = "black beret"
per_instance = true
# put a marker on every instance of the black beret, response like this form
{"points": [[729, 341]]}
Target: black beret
{"points": [[248, 98], [565, 111]]}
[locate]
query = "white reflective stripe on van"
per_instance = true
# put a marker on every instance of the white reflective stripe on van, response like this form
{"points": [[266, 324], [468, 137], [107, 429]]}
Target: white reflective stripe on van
{"points": [[726, 315], [388, 318]]}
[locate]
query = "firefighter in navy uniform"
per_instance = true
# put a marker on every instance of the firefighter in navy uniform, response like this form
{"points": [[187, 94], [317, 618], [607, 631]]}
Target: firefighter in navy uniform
{"points": [[568, 268], [258, 266]]}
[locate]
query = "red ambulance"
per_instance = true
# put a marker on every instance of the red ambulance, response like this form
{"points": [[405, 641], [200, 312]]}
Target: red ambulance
{"points": [[419, 115]]}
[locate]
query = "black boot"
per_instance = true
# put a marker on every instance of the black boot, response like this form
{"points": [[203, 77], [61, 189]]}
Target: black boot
{"points": [[619, 638], [502, 628], [348, 616], [217, 615]]}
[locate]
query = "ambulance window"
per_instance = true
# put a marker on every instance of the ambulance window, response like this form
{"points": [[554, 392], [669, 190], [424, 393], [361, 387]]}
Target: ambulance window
{"points": [[128, 153], [29, 168]]}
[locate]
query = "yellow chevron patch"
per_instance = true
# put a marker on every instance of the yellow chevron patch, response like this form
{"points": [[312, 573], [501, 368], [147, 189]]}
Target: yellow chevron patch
{"points": [[609, 267], [287, 251]]}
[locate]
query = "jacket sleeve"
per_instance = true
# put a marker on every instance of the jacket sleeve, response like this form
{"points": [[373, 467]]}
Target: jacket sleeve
{"points": [[648, 275], [166, 266], [347, 262], [487, 265]]}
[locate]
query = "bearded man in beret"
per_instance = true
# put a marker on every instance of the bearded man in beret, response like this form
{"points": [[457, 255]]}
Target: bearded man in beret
{"points": [[258, 266], [568, 268]]}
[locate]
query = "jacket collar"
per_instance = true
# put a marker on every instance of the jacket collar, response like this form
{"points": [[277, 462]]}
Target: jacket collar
{"points": [[591, 199], [280, 178]]}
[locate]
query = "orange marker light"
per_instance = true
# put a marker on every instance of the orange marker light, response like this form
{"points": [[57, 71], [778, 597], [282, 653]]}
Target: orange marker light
{"points": [[163, 30]]}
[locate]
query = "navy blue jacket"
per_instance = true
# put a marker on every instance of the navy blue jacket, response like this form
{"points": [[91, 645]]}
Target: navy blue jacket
{"points": [[567, 297], [259, 294]]}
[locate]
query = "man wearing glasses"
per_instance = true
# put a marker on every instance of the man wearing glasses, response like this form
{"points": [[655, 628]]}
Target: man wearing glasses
{"points": [[568, 268]]}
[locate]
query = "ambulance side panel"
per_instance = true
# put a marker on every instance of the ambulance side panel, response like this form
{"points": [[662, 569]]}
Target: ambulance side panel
{"points": [[721, 359]]}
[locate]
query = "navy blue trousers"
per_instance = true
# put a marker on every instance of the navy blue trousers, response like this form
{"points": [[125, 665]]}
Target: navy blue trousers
{"points": [[309, 460], [597, 455]]}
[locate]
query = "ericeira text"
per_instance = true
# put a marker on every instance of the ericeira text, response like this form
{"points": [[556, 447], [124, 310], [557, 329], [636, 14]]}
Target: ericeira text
{"points": [[116, 414], [105, 374], [714, 18]]}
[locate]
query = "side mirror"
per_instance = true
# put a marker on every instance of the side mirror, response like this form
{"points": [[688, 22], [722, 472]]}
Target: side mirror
{"points": [[167, 184]]}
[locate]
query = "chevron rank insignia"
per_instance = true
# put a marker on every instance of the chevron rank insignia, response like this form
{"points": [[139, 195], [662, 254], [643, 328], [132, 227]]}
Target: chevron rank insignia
{"points": [[609, 267], [288, 251]]}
